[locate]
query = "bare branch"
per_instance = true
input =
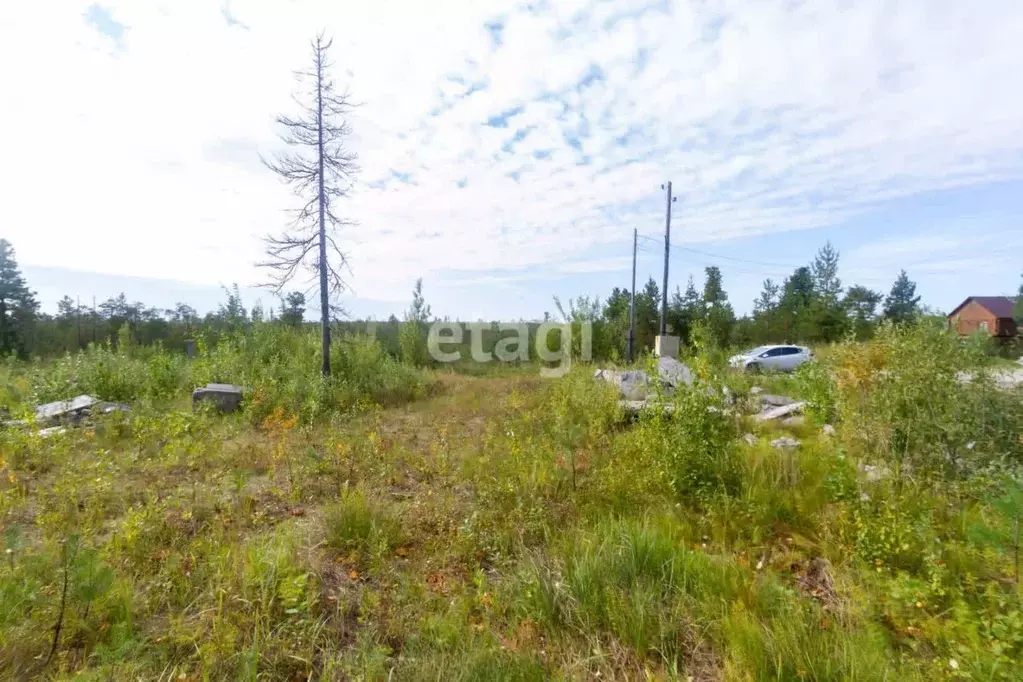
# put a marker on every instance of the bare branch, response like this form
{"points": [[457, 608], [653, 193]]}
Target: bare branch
{"points": [[320, 170]]}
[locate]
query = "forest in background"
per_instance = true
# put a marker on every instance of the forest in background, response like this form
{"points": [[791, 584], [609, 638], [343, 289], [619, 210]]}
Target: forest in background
{"points": [[811, 306]]}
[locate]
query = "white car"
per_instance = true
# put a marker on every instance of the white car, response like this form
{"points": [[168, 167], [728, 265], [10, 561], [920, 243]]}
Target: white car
{"points": [[772, 358]]}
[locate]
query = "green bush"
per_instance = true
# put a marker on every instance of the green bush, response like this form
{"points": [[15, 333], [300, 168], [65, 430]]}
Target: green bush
{"points": [[696, 445], [357, 526], [920, 396]]}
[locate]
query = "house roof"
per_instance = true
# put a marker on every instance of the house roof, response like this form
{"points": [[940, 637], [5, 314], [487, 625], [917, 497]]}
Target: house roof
{"points": [[999, 306]]}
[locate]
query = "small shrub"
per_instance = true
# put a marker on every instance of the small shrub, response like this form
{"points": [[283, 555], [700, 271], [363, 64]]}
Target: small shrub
{"points": [[817, 387], [696, 446], [356, 525]]}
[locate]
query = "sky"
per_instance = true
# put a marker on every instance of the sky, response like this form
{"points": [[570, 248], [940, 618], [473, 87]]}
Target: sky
{"points": [[508, 150]]}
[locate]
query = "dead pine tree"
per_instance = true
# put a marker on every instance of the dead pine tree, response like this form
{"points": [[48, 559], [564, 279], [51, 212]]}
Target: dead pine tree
{"points": [[320, 172]]}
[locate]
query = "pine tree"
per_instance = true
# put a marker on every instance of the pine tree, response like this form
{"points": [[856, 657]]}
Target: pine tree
{"points": [[824, 269], [685, 310], [412, 337], [648, 302], [256, 313], [18, 306], [713, 291], [764, 324], [768, 298], [232, 314], [718, 314], [902, 304], [860, 304], [794, 307], [293, 309]]}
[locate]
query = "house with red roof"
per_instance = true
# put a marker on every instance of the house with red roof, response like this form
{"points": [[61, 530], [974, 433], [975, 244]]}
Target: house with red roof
{"points": [[989, 314]]}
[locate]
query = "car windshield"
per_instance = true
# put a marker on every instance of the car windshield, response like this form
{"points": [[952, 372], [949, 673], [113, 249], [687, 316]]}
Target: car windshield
{"points": [[758, 350]]}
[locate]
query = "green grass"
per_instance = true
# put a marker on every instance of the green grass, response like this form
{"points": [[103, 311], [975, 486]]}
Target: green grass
{"points": [[503, 526]]}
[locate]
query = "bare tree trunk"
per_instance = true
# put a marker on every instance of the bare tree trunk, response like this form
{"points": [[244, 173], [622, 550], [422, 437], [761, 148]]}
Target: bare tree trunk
{"points": [[324, 301], [320, 172]]}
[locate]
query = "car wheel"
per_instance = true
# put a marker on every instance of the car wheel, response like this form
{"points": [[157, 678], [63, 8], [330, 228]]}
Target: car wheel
{"points": [[753, 368]]}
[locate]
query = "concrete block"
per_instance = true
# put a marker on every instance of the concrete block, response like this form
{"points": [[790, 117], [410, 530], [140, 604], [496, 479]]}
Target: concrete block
{"points": [[227, 397], [666, 346]]}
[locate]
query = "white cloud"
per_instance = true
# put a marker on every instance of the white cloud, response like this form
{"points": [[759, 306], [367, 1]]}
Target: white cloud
{"points": [[140, 156]]}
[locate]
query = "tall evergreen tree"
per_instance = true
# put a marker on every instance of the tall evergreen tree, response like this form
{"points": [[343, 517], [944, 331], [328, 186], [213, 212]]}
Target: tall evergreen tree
{"points": [[718, 315], [412, 336], [828, 319], [648, 302], [293, 309], [768, 299], [794, 307], [18, 306], [764, 324], [824, 269], [713, 290], [616, 319], [685, 310], [902, 304], [860, 304], [232, 313]]}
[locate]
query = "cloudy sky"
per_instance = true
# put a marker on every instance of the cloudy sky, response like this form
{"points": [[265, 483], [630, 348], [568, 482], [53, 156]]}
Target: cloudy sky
{"points": [[508, 150]]}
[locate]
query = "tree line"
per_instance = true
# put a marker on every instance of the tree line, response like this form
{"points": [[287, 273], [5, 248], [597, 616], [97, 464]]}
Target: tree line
{"points": [[809, 306], [26, 331]]}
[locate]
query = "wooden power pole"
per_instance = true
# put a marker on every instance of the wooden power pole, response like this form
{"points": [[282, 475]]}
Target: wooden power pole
{"points": [[632, 302], [667, 246]]}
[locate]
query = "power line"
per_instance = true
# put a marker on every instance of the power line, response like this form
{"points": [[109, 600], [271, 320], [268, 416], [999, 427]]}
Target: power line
{"points": [[723, 257], [739, 260]]}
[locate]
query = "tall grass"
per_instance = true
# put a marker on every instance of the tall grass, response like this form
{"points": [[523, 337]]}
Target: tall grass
{"points": [[509, 527], [278, 366]]}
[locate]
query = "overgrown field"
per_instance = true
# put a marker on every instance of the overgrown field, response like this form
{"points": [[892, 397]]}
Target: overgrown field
{"points": [[395, 524]]}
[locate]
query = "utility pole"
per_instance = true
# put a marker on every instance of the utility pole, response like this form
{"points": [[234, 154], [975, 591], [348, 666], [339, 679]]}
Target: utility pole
{"points": [[667, 245], [78, 314], [632, 300]]}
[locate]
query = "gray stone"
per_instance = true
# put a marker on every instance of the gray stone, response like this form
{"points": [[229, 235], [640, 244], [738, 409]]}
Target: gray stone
{"points": [[828, 430], [795, 420], [110, 408], [674, 373], [750, 439], [632, 385], [756, 390], [52, 431], [874, 472], [65, 410], [779, 412], [633, 408], [636, 385], [785, 443], [776, 400], [226, 397]]}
